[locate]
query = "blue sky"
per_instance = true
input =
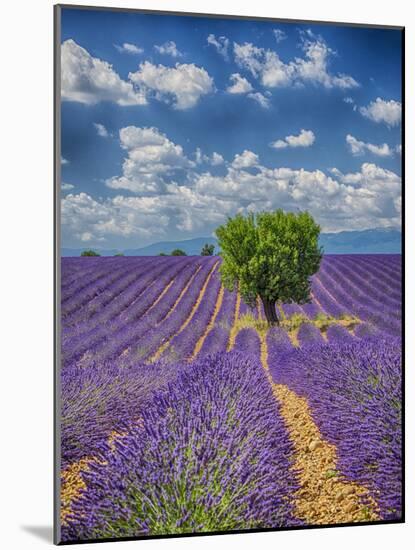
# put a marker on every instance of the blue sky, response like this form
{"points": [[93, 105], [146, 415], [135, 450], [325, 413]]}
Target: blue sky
{"points": [[170, 124]]}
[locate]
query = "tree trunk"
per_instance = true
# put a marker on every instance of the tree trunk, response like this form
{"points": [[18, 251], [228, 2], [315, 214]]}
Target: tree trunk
{"points": [[270, 311]]}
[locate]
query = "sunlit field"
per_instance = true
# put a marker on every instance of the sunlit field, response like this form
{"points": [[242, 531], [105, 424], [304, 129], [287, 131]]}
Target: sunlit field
{"points": [[183, 411]]}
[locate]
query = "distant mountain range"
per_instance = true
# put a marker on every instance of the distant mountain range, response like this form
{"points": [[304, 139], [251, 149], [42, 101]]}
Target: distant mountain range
{"points": [[369, 241], [192, 247]]}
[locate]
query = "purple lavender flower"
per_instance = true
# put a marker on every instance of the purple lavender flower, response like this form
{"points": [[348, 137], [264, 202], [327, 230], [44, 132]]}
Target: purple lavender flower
{"points": [[354, 391], [212, 453]]}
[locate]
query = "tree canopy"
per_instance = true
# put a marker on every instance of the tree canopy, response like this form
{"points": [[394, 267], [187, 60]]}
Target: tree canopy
{"points": [[270, 255], [207, 250], [89, 253], [178, 252]]}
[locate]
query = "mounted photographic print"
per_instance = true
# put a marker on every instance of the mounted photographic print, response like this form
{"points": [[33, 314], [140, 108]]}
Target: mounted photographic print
{"points": [[229, 274]]}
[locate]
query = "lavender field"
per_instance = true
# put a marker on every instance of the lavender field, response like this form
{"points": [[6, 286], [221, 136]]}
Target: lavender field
{"points": [[183, 412]]}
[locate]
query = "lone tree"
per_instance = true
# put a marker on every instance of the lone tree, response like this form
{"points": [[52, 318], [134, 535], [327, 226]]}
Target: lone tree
{"points": [[89, 253], [208, 250], [271, 255], [178, 252]]}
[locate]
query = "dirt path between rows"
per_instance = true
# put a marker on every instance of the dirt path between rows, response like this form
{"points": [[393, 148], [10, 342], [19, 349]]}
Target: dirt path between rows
{"points": [[324, 497]]}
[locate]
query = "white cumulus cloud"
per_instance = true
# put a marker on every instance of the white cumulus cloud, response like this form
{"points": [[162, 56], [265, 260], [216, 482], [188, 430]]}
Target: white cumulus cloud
{"points": [[261, 99], [101, 130], [89, 80], [263, 64], [151, 158], [168, 48], [267, 66], [215, 159], [305, 138], [380, 110], [185, 83], [360, 147], [364, 199], [221, 44], [180, 210], [174, 197], [246, 159], [239, 85], [129, 48], [94, 220], [66, 186], [279, 35], [314, 66]]}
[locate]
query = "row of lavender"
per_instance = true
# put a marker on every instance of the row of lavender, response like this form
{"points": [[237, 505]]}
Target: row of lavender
{"points": [[116, 315], [131, 325], [353, 383], [106, 363], [112, 312], [207, 452], [353, 387], [129, 307], [368, 287]]}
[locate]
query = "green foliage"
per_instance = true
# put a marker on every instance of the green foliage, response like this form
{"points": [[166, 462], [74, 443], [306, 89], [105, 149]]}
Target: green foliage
{"points": [[247, 320], [178, 252], [322, 321], [322, 317], [271, 255], [331, 473], [163, 254], [207, 250], [119, 254], [89, 253], [295, 321]]}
